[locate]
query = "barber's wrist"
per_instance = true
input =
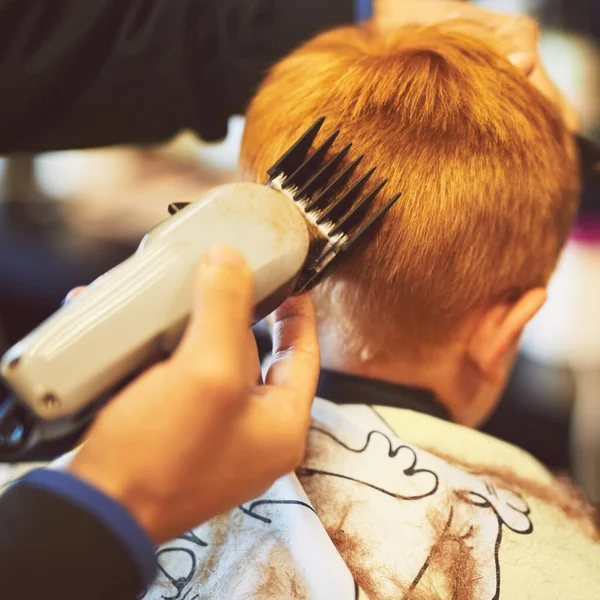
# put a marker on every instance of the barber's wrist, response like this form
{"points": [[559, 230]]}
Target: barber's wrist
{"points": [[122, 486], [99, 513]]}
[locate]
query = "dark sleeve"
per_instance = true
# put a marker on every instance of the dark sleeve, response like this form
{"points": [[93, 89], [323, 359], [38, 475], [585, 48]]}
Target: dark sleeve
{"points": [[83, 73], [54, 547], [589, 153]]}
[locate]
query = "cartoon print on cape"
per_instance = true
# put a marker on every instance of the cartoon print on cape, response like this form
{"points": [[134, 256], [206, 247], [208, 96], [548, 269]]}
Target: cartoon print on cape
{"points": [[368, 486], [332, 531]]}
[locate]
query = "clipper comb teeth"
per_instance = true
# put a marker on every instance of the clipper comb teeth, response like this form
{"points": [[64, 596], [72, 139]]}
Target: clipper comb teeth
{"points": [[336, 214]]}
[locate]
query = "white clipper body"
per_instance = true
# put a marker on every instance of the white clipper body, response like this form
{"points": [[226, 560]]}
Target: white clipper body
{"points": [[135, 314], [293, 232]]}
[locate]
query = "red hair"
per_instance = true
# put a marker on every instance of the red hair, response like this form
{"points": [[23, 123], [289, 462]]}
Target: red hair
{"points": [[483, 160]]}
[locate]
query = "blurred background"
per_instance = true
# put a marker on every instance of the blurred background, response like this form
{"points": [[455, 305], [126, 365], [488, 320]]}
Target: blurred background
{"points": [[66, 218]]}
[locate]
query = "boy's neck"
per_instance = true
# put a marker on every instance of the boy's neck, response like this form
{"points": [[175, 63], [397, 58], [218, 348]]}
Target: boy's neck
{"points": [[401, 372], [456, 386]]}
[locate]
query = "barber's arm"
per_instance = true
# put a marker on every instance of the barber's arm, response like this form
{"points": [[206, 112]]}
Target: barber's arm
{"points": [[82, 73], [191, 438]]}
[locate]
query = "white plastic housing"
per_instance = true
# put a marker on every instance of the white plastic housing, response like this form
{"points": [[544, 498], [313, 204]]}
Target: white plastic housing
{"points": [[136, 313]]}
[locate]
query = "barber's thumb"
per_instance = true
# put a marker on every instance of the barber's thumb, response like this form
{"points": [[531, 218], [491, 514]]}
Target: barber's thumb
{"points": [[221, 306], [221, 303], [223, 277], [222, 263]]}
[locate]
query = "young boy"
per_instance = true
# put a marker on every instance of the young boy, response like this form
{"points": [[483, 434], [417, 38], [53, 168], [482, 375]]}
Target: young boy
{"points": [[418, 330]]}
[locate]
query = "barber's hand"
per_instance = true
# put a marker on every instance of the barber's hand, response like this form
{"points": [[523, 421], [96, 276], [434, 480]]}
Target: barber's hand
{"points": [[191, 438], [518, 37]]}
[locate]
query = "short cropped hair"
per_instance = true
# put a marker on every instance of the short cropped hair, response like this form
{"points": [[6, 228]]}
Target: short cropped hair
{"points": [[485, 165]]}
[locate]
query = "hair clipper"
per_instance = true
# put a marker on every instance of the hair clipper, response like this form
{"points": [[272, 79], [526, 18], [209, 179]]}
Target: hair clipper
{"points": [[292, 231]]}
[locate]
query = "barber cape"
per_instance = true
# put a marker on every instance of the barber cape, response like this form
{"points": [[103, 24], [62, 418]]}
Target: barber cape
{"points": [[390, 504]]}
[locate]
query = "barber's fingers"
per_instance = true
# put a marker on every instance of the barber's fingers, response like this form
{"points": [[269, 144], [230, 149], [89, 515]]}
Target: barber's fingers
{"points": [[295, 361], [519, 34], [524, 61], [282, 406], [521, 31], [214, 345], [541, 80]]}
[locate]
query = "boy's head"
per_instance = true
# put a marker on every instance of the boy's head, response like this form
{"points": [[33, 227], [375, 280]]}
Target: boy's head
{"points": [[487, 174]]}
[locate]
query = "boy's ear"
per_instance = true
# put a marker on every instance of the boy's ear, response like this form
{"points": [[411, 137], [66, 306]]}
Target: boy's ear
{"points": [[496, 335]]}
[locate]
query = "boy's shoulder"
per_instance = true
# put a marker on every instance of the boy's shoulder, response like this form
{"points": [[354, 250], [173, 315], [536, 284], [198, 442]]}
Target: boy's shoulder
{"points": [[480, 516]]}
